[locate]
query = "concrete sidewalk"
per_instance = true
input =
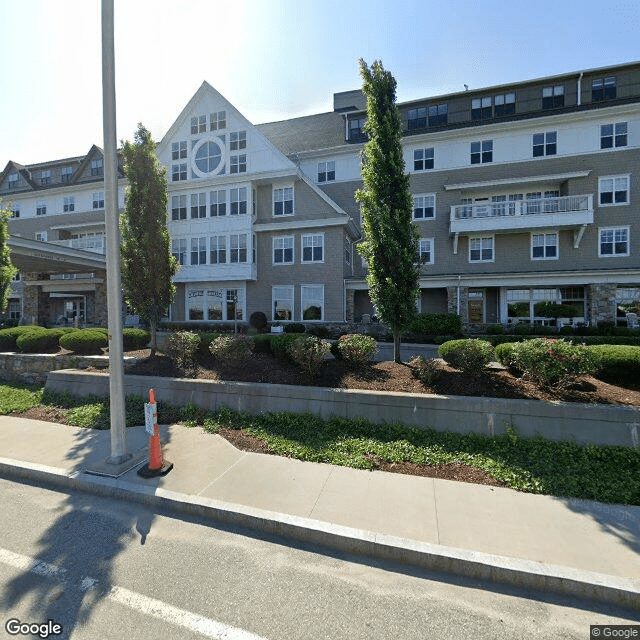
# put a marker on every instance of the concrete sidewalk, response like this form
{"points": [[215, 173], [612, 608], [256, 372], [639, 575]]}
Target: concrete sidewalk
{"points": [[574, 547]]}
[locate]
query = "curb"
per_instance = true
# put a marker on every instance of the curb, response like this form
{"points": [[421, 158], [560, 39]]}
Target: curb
{"points": [[623, 592]]}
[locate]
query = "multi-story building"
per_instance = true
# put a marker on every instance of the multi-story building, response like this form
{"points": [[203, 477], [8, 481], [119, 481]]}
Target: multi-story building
{"points": [[523, 194]]}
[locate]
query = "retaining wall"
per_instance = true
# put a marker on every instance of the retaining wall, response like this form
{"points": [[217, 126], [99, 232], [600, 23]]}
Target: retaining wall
{"points": [[582, 423]]}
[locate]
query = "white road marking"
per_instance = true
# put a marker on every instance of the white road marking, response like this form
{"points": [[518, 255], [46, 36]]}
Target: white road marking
{"points": [[136, 601]]}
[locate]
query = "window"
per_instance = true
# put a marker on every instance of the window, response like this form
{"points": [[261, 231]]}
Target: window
{"points": [[98, 200], [45, 177], [348, 251], [195, 302], [218, 206], [417, 118], [282, 302], [41, 208], [218, 121], [66, 173], [178, 207], [613, 135], [198, 251], [603, 89], [283, 250], [198, 205], [614, 242], [208, 157], [12, 180], [179, 172], [15, 211], [238, 198], [238, 164], [481, 249], [553, 97], [356, 128], [179, 249], [326, 171], [214, 304], [217, 249], [179, 150], [41, 236], [96, 167], [68, 204], [423, 159], [313, 248], [283, 201], [614, 190], [544, 246], [545, 144], [238, 247], [14, 309], [426, 251], [424, 207], [504, 104], [238, 140], [481, 108], [482, 152], [438, 114], [198, 124], [234, 304], [312, 301]]}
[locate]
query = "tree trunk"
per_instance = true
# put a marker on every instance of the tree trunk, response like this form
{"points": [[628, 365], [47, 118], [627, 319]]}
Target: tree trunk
{"points": [[154, 340], [396, 347]]}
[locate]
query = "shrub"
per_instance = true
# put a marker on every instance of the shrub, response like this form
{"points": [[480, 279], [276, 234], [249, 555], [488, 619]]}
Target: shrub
{"points": [[86, 341], [320, 331], [616, 362], [280, 344], [425, 370], [294, 327], [181, 347], [437, 324], [308, 352], [470, 356], [232, 347], [495, 329], [39, 340], [523, 329], [9, 336], [552, 362], [503, 353], [356, 349], [205, 339], [566, 331], [258, 321], [134, 339], [262, 343]]}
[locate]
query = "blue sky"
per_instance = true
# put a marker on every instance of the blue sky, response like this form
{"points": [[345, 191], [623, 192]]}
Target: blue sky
{"points": [[274, 59]]}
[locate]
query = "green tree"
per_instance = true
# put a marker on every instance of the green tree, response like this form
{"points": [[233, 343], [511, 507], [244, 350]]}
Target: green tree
{"points": [[7, 270], [147, 264], [391, 239]]}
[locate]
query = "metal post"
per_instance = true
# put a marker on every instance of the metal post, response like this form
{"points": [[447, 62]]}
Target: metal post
{"points": [[114, 300]]}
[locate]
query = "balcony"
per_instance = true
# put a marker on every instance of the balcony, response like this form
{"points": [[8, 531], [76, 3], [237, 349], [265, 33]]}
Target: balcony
{"points": [[561, 212], [95, 244]]}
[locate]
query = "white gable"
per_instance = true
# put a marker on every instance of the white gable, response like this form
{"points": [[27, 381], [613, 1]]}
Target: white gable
{"points": [[212, 138]]}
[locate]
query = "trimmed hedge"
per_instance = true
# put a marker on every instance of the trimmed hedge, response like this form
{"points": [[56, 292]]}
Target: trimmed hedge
{"points": [[437, 324], [470, 356], [134, 339], [616, 362], [40, 340], [356, 349], [85, 341], [9, 336]]}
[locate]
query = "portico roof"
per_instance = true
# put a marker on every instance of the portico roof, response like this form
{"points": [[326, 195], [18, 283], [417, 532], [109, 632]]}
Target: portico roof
{"points": [[46, 257]]}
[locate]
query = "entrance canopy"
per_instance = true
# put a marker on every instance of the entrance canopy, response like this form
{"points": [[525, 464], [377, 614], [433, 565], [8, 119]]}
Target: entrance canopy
{"points": [[49, 258]]}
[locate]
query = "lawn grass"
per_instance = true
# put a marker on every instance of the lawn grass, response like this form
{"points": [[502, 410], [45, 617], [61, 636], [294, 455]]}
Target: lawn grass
{"points": [[605, 473]]}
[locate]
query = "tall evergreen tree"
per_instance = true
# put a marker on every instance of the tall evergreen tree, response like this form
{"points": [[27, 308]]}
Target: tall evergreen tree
{"points": [[391, 239], [7, 270], [147, 264]]}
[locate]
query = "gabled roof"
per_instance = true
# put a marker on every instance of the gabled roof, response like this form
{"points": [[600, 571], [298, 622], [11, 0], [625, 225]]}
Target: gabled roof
{"points": [[14, 167]]}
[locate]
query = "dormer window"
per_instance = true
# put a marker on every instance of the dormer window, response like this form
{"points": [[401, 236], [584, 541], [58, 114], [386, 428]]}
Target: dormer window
{"points": [[13, 180], [417, 118], [356, 128], [553, 97], [603, 89], [96, 167], [438, 114], [66, 173], [45, 176]]}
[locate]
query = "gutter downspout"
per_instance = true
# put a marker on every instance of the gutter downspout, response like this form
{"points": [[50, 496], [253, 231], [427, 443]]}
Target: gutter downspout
{"points": [[458, 297], [580, 89]]}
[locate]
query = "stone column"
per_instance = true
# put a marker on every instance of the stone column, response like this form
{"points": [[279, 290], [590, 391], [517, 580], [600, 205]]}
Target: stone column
{"points": [[601, 302], [31, 299], [100, 305], [452, 302], [350, 305]]}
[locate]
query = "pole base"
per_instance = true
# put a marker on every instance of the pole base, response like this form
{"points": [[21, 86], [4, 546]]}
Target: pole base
{"points": [[145, 472]]}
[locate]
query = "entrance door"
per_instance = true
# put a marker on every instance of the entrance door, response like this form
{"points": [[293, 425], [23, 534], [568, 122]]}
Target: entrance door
{"points": [[476, 306]]}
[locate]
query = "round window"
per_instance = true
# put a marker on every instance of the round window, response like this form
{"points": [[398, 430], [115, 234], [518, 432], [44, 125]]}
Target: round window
{"points": [[208, 157]]}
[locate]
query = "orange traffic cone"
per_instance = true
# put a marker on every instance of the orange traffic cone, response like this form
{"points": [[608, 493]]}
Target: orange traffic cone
{"points": [[156, 465]]}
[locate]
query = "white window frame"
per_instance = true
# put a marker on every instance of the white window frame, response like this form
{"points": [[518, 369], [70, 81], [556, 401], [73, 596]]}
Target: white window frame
{"points": [[41, 208], [179, 150], [614, 135], [426, 245], [41, 236], [283, 195], [473, 239], [486, 147], [179, 204], [424, 155], [280, 245], [237, 140], [98, 199], [216, 202], [424, 201], [237, 240], [282, 293], [198, 125], [178, 172], [218, 245], [548, 148], [45, 176], [178, 249], [310, 299], [313, 239], [68, 204], [12, 180], [626, 229], [545, 235], [97, 167], [218, 121], [237, 196], [326, 171], [614, 190], [238, 163], [198, 205]]}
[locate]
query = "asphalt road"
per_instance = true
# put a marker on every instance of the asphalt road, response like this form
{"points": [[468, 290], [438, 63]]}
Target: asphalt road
{"points": [[106, 569]]}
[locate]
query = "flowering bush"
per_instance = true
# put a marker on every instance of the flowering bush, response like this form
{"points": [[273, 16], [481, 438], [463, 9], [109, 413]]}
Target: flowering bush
{"points": [[356, 349], [181, 347], [553, 363], [231, 347], [470, 356], [308, 352]]}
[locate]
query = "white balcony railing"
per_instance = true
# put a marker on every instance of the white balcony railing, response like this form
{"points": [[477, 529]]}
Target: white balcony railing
{"points": [[95, 244], [518, 214]]}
